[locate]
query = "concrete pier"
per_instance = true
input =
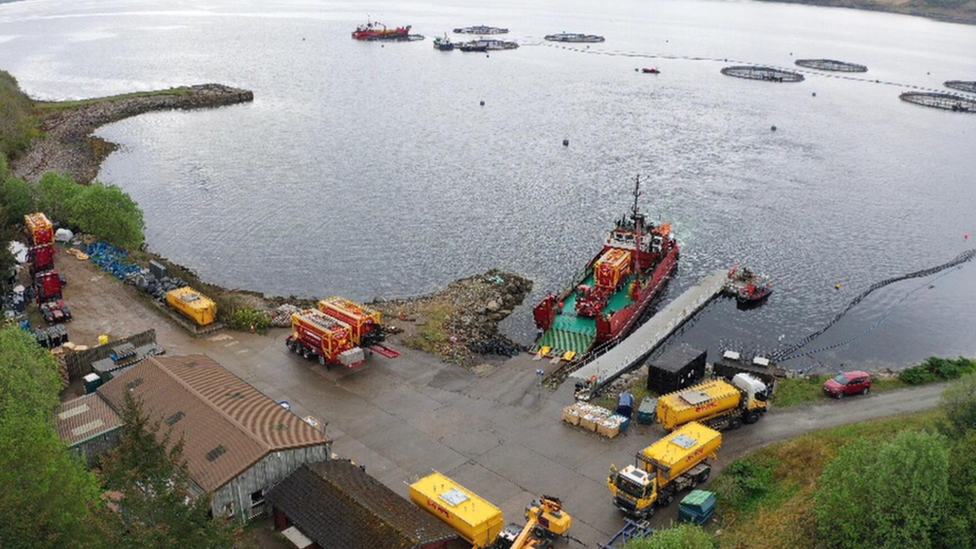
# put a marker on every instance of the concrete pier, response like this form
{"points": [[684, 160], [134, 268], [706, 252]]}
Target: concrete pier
{"points": [[642, 342]]}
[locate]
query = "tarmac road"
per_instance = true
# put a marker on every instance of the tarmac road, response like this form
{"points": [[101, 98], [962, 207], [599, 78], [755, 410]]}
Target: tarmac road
{"points": [[499, 435]]}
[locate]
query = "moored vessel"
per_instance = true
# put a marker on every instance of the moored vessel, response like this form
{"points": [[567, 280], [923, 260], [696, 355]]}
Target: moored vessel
{"points": [[374, 30], [608, 298], [443, 44]]}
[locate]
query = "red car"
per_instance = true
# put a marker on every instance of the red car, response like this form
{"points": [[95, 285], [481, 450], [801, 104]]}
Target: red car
{"points": [[848, 383]]}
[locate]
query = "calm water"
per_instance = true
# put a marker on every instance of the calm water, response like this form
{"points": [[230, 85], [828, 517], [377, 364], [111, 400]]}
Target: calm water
{"points": [[371, 170]]}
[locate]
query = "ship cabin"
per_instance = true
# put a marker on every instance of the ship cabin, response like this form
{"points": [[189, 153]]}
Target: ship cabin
{"points": [[624, 236]]}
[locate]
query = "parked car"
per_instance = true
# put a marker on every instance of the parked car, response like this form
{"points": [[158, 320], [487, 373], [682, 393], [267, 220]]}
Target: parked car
{"points": [[848, 383]]}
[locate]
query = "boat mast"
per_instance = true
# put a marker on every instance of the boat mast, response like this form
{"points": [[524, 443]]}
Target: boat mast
{"points": [[637, 225]]}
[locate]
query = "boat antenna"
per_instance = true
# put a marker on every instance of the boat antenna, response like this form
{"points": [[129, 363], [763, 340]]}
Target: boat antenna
{"points": [[636, 194]]}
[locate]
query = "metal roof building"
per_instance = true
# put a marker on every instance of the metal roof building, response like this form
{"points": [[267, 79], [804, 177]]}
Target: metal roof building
{"points": [[88, 426], [237, 441], [336, 504]]}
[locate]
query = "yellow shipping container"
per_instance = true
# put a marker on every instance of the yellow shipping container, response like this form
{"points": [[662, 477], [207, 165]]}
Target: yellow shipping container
{"points": [[697, 403], [476, 520], [674, 454], [193, 304]]}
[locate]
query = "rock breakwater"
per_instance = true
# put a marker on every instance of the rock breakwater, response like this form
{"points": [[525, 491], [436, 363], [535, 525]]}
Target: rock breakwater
{"points": [[67, 144]]}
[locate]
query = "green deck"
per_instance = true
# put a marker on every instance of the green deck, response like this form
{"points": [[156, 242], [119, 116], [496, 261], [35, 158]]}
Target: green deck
{"points": [[575, 333]]}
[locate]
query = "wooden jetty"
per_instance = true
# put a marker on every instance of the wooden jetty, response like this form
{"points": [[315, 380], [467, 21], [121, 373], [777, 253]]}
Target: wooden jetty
{"points": [[635, 348], [767, 74], [944, 101], [830, 65]]}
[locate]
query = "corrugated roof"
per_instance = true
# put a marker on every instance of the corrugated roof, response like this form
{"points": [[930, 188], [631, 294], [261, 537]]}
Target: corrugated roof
{"points": [[226, 424], [337, 504], [83, 418]]}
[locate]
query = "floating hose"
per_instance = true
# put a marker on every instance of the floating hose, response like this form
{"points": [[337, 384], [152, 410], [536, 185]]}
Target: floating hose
{"points": [[790, 352]]}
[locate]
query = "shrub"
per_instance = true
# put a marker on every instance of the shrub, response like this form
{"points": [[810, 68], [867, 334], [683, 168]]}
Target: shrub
{"points": [[685, 536], [57, 196], [937, 369], [16, 123], [959, 405], [743, 483], [16, 200], [889, 496], [109, 214], [245, 317]]}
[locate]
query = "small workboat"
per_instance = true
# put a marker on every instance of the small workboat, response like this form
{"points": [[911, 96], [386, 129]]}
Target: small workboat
{"points": [[651, 70], [753, 294], [443, 44], [748, 287]]}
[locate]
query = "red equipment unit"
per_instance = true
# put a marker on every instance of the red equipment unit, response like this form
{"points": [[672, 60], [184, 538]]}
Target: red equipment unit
{"points": [[365, 324], [317, 336], [41, 258], [47, 286], [40, 228]]}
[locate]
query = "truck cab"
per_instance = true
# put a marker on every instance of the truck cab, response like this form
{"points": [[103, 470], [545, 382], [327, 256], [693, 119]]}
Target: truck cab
{"points": [[672, 464], [754, 392], [634, 490]]}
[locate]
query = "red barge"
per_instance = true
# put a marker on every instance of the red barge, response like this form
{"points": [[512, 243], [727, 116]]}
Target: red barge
{"points": [[609, 297], [378, 31]]}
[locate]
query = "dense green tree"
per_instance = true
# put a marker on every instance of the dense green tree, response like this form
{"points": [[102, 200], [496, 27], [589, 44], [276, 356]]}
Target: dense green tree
{"points": [[57, 195], [4, 167], [157, 505], [109, 214], [16, 199], [884, 497], [684, 536], [960, 527], [49, 499]]}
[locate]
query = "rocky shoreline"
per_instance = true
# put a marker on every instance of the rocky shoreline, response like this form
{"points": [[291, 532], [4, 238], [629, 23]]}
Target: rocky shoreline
{"points": [[67, 144], [460, 323]]}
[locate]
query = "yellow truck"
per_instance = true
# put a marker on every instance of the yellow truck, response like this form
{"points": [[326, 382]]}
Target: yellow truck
{"points": [[717, 403], [674, 463], [192, 304], [481, 524], [476, 520]]}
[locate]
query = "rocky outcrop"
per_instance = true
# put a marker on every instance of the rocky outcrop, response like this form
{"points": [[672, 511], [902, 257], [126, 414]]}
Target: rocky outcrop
{"points": [[67, 144], [460, 323]]}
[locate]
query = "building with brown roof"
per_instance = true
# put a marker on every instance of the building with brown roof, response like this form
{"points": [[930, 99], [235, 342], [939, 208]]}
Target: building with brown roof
{"points": [[88, 426], [237, 441], [335, 504]]}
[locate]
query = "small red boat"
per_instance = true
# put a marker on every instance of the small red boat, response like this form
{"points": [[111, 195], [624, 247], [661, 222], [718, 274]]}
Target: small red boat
{"points": [[378, 31], [748, 287], [753, 293], [651, 70]]}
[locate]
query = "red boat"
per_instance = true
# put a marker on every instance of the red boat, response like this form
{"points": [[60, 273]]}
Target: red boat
{"points": [[378, 31], [651, 70], [608, 298], [748, 287]]}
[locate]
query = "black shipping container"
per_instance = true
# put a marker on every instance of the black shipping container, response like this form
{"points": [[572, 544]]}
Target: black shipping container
{"points": [[728, 369], [677, 368]]}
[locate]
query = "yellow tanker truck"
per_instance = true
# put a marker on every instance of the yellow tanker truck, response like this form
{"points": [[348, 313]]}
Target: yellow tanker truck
{"points": [[672, 464], [717, 403]]}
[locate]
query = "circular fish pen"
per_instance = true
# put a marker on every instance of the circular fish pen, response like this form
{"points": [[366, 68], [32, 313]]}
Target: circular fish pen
{"points": [[962, 85], [944, 101], [763, 73], [574, 37], [830, 65], [480, 29]]}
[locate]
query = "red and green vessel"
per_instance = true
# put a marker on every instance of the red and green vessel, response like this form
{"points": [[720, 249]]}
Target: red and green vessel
{"points": [[607, 300]]}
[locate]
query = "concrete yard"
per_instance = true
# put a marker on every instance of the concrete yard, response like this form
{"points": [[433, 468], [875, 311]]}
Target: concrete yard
{"points": [[500, 435]]}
